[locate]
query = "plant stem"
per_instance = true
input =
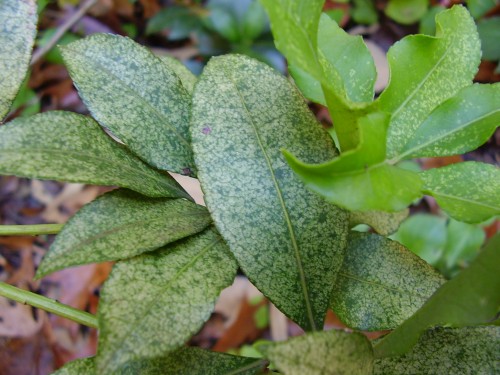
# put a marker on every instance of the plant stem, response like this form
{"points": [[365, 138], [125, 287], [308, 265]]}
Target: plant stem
{"points": [[30, 230], [40, 52], [47, 304]]}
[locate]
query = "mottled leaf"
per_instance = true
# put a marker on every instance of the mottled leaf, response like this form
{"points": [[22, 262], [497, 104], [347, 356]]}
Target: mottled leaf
{"points": [[406, 11], [323, 353], [139, 98], [381, 283], [461, 124], [69, 147], [470, 350], [469, 299], [120, 225], [421, 77], [154, 303], [81, 366], [384, 223], [468, 191], [195, 361], [187, 78], [17, 34], [285, 238], [358, 179]]}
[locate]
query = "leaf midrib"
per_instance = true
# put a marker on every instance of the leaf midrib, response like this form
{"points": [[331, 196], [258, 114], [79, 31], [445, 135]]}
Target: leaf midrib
{"points": [[153, 301], [297, 255], [162, 117]]}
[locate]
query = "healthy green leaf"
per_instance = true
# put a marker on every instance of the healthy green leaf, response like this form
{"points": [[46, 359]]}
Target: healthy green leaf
{"points": [[135, 95], [82, 366], [187, 78], [489, 32], [195, 361], [424, 235], [384, 223], [359, 179], [310, 87], [479, 8], [69, 147], [406, 11], [381, 283], [17, 35], [285, 238], [254, 21], [460, 124], [322, 353], [153, 303], [421, 77], [364, 12], [120, 225], [428, 21], [468, 191], [469, 299], [470, 350]]}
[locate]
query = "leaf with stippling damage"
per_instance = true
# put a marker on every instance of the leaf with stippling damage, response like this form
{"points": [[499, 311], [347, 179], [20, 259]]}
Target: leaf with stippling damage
{"points": [[120, 225], [187, 78], [153, 303], [195, 361], [70, 147], [322, 353], [468, 191], [470, 350], [421, 77], [384, 223], [137, 96], [471, 298], [381, 283], [17, 34], [81, 366], [285, 238], [461, 124]]}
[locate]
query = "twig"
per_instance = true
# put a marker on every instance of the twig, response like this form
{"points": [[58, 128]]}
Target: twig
{"points": [[47, 304], [30, 230], [61, 30]]}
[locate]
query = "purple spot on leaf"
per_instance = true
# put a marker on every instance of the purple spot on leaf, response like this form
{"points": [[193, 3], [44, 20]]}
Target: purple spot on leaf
{"points": [[186, 171], [206, 130]]}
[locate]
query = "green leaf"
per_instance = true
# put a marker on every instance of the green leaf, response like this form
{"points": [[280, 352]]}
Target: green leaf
{"points": [[406, 11], [468, 191], [470, 350], [381, 283], [364, 12], [424, 235], [120, 225], [322, 353], [310, 87], [82, 366], [155, 302], [195, 361], [17, 35], [421, 77], [428, 21], [180, 21], [286, 240], [254, 21], [358, 179], [460, 124], [69, 147], [469, 299], [223, 22], [479, 8], [489, 32], [384, 223], [187, 78], [131, 92]]}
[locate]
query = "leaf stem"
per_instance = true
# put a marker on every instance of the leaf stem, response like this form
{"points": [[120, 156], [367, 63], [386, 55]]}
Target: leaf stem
{"points": [[30, 230], [47, 304]]}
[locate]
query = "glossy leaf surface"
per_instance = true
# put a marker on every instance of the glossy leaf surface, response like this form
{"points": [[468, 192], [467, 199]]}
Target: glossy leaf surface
{"points": [[470, 350], [70, 147], [17, 34], [155, 302], [384, 223], [122, 224], [135, 95], [461, 124], [420, 75], [322, 353], [381, 283], [469, 299], [468, 191], [285, 238]]}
